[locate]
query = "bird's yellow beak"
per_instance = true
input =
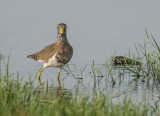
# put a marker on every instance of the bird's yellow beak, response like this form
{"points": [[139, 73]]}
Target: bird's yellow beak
{"points": [[61, 30]]}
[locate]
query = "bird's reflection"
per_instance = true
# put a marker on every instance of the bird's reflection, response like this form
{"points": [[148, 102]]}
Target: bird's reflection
{"points": [[49, 94]]}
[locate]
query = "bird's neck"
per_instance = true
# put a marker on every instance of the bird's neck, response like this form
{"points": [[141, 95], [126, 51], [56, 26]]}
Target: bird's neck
{"points": [[62, 37]]}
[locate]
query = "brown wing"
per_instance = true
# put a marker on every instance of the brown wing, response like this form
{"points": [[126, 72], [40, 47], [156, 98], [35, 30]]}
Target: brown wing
{"points": [[44, 54]]}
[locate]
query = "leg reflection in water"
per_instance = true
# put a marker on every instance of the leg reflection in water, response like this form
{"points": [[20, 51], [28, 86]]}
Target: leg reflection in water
{"points": [[50, 94]]}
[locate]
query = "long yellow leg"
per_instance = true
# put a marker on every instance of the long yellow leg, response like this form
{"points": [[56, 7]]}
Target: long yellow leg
{"points": [[59, 83], [39, 75], [59, 72]]}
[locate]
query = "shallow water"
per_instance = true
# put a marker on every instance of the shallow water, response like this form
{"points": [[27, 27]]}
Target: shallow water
{"points": [[124, 86]]}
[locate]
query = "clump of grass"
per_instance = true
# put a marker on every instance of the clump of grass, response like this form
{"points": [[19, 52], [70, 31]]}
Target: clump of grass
{"points": [[149, 54]]}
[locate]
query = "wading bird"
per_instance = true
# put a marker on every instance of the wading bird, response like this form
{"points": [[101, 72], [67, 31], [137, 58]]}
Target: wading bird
{"points": [[55, 55]]}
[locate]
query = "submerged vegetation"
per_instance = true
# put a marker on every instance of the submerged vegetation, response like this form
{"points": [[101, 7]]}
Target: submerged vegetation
{"points": [[21, 98]]}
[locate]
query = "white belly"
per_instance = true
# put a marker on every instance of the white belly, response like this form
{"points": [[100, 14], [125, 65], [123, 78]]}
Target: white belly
{"points": [[52, 62]]}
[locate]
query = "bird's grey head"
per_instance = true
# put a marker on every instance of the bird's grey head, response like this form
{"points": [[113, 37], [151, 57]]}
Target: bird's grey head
{"points": [[61, 28]]}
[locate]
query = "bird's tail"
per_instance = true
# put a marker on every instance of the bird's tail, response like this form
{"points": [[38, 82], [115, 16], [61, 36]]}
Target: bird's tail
{"points": [[31, 56]]}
